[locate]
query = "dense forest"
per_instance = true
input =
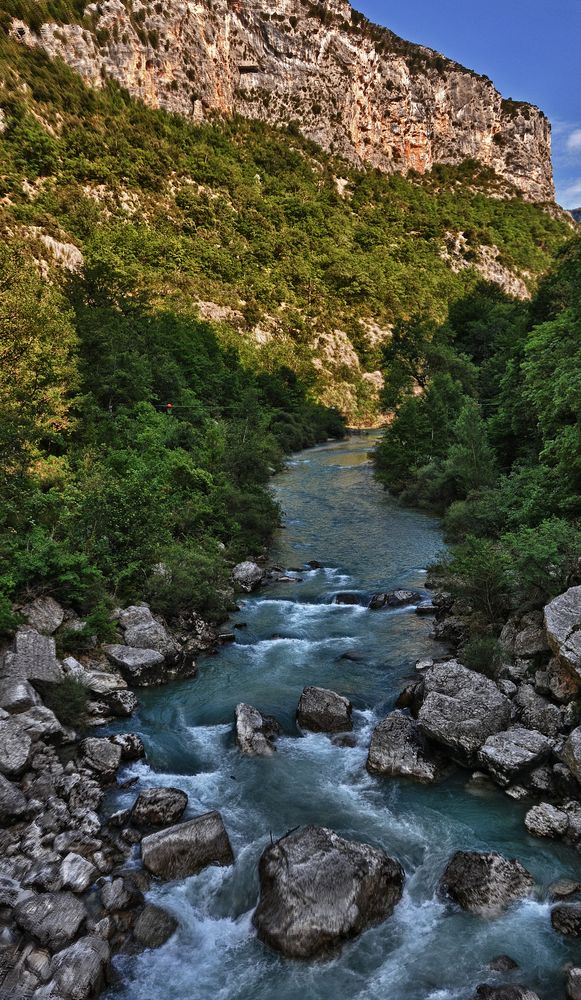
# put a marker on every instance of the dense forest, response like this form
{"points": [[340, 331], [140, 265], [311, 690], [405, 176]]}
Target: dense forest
{"points": [[119, 223], [486, 429]]}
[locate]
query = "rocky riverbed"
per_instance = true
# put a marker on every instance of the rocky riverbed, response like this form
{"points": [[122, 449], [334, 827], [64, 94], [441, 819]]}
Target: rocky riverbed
{"points": [[76, 876]]}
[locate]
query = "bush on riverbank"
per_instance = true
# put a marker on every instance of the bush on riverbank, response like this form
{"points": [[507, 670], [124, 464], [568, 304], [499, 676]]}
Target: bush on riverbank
{"points": [[487, 429]]}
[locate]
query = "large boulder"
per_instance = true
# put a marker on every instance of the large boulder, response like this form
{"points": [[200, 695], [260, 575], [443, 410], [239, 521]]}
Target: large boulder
{"points": [[188, 848], [571, 753], [44, 614], [537, 713], [566, 919], [79, 971], [159, 807], [508, 755], [17, 695], [53, 918], [15, 747], [101, 756], [461, 709], [317, 890], [255, 733], [247, 576], [76, 872], [40, 723], [139, 667], [32, 658], [154, 926], [12, 802], [144, 631], [485, 883], [324, 711], [563, 625], [400, 750], [545, 820], [130, 744]]}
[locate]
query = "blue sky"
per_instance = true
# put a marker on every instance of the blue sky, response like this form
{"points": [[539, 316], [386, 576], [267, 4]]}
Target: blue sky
{"points": [[531, 49]]}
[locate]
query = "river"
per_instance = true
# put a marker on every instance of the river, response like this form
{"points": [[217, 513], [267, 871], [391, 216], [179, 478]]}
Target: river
{"points": [[295, 635]]}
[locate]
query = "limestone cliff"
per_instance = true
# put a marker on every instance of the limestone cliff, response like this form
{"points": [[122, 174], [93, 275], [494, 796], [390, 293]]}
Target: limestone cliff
{"points": [[356, 89]]}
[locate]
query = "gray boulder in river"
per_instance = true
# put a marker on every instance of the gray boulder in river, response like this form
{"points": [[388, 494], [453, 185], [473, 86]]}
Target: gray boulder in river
{"points": [[399, 750], [324, 711], [187, 848], [255, 733], [508, 755], [485, 883], [461, 709], [247, 576], [318, 890], [159, 807]]}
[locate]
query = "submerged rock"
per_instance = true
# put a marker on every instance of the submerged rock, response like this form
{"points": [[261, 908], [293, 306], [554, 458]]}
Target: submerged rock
{"points": [[188, 848], [324, 711], [399, 750], [317, 890], [503, 963], [159, 807], [485, 883], [566, 919], [154, 926], [394, 599], [255, 733], [461, 710]]}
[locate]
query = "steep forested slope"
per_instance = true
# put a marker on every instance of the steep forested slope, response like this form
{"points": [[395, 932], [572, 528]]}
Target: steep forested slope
{"points": [[232, 270]]}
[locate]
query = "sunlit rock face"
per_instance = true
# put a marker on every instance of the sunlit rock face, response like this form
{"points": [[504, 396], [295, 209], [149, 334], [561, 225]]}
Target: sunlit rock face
{"points": [[354, 88]]}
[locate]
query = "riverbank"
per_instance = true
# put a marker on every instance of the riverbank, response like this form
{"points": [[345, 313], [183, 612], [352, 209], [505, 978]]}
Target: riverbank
{"points": [[342, 536]]}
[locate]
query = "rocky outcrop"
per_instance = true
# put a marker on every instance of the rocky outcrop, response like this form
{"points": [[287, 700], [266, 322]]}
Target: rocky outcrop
{"points": [[188, 848], [485, 883], [353, 88], [487, 992], [255, 733], [52, 918], [394, 599], [461, 710], [317, 890], [566, 919], [324, 711], [574, 984], [563, 625], [154, 926], [399, 750]]}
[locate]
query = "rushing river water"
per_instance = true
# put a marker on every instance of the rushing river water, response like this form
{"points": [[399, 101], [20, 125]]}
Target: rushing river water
{"points": [[296, 635]]}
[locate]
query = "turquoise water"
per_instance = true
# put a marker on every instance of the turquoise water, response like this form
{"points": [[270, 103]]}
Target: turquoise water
{"points": [[334, 512]]}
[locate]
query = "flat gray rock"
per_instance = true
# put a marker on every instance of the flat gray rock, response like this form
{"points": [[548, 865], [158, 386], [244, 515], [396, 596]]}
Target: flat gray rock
{"points": [[317, 890], [324, 711], [139, 667], [53, 918], [461, 710], [538, 713], [32, 658], [399, 750], [187, 848], [44, 614], [77, 873], [509, 754], [102, 756], [485, 883], [546, 820]]}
